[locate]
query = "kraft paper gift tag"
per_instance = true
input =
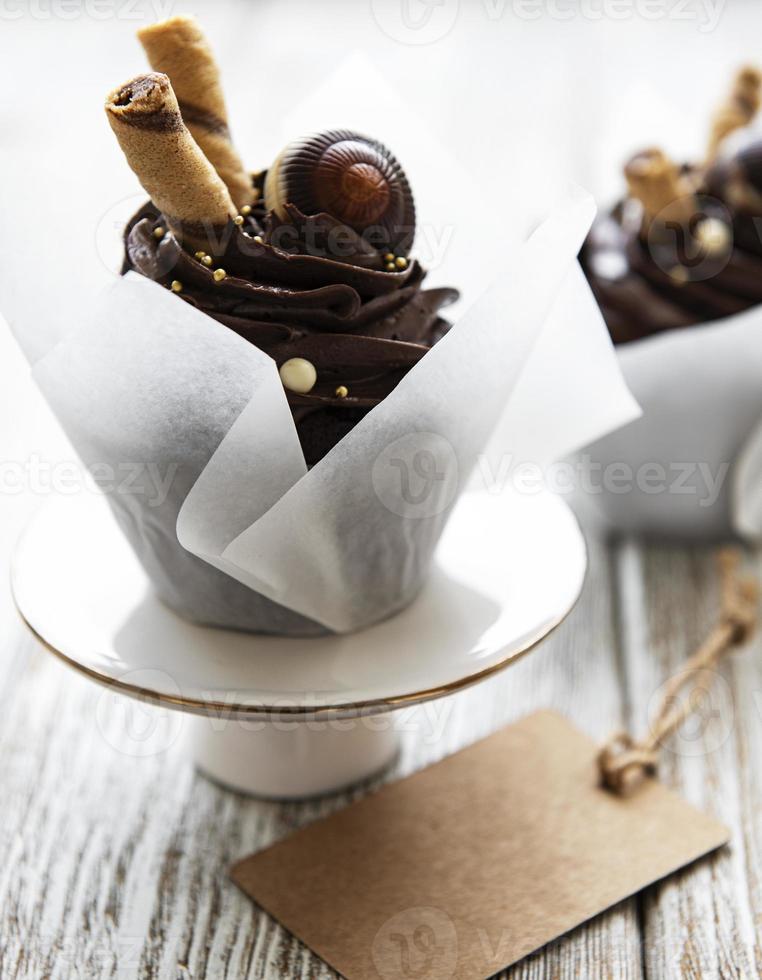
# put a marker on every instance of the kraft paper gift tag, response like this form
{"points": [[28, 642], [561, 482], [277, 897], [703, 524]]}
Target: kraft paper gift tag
{"points": [[470, 865]]}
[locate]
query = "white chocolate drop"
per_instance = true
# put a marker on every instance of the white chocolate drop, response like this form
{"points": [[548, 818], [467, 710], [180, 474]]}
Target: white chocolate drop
{"points": [[713, 235], [298, 374]]}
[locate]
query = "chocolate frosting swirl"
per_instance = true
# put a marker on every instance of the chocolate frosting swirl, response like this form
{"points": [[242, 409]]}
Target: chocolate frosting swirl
{"points": [[306, 287], [645, 286]]}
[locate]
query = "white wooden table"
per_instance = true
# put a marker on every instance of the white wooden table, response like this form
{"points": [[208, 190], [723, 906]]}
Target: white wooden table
{"points": [[113, 865]]}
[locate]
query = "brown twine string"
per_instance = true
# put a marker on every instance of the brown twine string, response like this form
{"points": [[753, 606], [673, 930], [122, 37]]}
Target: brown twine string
{"points": [[624, 762]]}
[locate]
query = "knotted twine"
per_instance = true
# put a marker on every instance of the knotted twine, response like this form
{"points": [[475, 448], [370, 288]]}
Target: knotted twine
{"points": [[624, 762]]}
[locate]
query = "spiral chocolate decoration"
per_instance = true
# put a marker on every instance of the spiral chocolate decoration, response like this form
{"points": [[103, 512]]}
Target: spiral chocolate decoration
{"points": [[355, 180]]}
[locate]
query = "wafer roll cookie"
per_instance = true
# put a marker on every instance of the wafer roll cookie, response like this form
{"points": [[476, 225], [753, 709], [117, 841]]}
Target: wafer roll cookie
{"points": [[178, 48], [737, 111], [181, 182], [655, 181]]}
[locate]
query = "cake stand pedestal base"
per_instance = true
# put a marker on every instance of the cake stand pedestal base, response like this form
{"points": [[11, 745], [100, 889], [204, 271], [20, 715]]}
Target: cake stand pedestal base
{"points": [[289, 717], [292, 759]]}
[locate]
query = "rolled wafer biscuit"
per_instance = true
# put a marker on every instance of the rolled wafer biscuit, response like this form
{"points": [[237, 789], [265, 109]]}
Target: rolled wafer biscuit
{"points": [[738, 110], [665, 194], [181, 182], [178, 48]]}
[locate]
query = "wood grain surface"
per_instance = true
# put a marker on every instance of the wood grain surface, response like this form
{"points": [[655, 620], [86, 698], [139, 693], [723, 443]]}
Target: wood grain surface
{"points": [[113, 852]]}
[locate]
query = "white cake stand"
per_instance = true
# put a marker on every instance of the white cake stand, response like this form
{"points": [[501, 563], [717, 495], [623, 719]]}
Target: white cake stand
{"points": [[290, 718]]}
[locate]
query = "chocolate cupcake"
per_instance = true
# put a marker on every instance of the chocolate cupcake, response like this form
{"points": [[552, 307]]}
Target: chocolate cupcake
{"points": [[344, 317], [676, 268], [311, 263], [305, 266], [683, 247]]}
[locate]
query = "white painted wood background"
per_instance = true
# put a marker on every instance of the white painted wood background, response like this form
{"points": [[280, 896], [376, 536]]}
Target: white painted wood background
{"points": [[113, 865]]}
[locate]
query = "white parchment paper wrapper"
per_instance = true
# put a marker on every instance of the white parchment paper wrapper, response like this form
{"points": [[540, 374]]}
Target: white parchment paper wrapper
{"points": [[229, 524], [673, 471], [746, 488]]}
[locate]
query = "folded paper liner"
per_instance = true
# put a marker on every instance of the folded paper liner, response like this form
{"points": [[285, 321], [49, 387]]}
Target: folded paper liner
{"points": [[696, 430], [347, 542]]}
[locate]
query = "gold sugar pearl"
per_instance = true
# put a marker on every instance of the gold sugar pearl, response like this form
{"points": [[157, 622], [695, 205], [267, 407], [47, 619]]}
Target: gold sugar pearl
{"points": [[246, 210], [207, 260], [199, 255], [258, 239], [401, 262], [238, 220], [159, 232], [389, 257], [342, 391], [679, 274], [177, 286], [219, 275], [391, 267]]}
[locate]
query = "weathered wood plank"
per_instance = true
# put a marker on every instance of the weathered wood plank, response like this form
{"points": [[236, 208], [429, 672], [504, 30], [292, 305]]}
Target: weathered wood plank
{"points": [[705, 921], [578, 673], [114, 865]]}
